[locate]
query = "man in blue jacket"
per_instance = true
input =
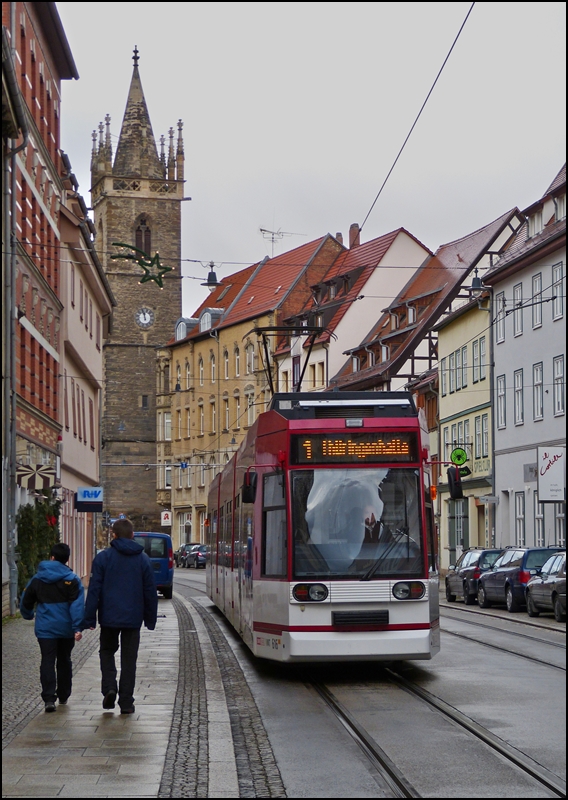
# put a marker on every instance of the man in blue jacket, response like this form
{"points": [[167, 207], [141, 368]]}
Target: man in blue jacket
{"points": [[60, 600], [122, 590]]}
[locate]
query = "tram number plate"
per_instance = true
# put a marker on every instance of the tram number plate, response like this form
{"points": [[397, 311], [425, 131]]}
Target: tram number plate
{"points": [[268, 641]]}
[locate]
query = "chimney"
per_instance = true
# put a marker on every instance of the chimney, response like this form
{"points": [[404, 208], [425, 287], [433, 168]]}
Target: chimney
{"points": [[354, 235], [339, 237]]}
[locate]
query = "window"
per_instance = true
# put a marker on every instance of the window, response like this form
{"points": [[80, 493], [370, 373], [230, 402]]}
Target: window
{"points": [[187, 431], [478, 437], [519, 399], [285, 381], [168, 475], [537, 300], [517, 309], [558, 375], [520, 519], [355, 364], [458, 370], [81, 300], [535, 223], [180, 479], [538, 395], [538, 522], [205, 321], [446, 444], [444, 373], [466, 433], [464, 366], [250, 407], [274, 526], [201, 374], [202, 471], [249, 355], [385, 352], [452, 371], [213, 417], [180, 331], [212, 369], [454, 435], [475, 351], [500, 317], [237, 411], [460, 440], [73, 285], [187, 375], [482, 359], [201, 418], [226, 363], [557, 291], [143, 237], [92, 422], [178, 430], [296, 369], [321, 372], [178, 377], [167, 426], [312, 378], [237, 362], [560, 207], [411, 318], [226, 410], [485, 435], [501, 402]]}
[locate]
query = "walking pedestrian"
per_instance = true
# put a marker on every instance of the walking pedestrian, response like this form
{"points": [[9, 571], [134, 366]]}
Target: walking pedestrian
{"points": [[122, 592], [60, 599]]}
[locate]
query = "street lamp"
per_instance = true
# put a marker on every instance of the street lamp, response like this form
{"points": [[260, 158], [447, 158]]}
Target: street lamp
{"points": [[211, 282]]}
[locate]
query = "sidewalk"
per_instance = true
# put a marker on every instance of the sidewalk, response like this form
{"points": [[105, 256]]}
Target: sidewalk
{"points": [[84, 751]]}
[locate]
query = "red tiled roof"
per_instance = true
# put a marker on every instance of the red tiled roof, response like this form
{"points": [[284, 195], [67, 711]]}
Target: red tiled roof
{"points": [[271, 283]]}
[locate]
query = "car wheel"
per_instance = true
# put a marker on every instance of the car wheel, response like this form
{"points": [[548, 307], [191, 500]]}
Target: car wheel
{"points": [[482, 600], [512, 604], [469, 599], [531, 608], [559, 614], [449, 596]]}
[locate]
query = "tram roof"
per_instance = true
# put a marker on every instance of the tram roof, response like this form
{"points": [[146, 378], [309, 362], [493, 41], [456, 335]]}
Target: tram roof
{"points": [[313, 405]]}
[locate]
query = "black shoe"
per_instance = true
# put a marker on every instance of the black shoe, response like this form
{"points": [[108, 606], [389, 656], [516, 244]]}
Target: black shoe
{"points": [[63, 702], [109, 699], [127, 710], [49, 708]]}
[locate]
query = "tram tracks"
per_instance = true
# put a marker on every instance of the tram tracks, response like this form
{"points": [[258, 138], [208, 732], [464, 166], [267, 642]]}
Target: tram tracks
{"points": [[393, 778]]}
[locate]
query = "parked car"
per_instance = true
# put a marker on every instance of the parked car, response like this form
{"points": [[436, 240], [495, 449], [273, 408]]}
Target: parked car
{"points": [[197, 556], [462, 578], [179, 555], [507, 579], [546, 591], [159, 548]]}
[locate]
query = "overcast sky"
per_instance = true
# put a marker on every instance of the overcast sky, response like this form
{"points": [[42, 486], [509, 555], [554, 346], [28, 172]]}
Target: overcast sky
{"points": [[295, 112]]}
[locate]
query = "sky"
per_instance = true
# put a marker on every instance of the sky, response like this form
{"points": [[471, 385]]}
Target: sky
{"points": [[294, 113]]}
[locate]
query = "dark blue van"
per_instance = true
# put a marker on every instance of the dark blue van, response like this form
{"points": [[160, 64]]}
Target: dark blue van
{"points": [[160, 550]]}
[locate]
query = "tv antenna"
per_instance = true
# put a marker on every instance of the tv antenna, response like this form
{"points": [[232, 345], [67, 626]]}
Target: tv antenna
{"points": [[277, 235]]}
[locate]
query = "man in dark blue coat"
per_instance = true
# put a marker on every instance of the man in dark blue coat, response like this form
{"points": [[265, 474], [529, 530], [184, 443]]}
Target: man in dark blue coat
{"points": [[122, 591], [60, 599]]}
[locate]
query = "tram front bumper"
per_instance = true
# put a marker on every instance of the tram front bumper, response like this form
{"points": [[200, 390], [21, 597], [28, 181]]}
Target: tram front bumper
{"points": [[361, 646]]}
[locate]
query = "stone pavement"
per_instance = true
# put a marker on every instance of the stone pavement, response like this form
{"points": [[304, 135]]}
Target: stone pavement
{"points": [[84, 751]]}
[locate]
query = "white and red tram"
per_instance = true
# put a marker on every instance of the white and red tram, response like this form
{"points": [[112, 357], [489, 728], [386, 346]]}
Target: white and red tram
{"points": [[321, 531]]}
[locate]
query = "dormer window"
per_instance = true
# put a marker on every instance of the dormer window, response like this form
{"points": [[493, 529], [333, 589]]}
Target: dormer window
{"points": [[385, 352], [332, 292], [355, 363], [180, 331], [560, 207], [394, 322], [205, 322], [535, 223], [411, 318]]}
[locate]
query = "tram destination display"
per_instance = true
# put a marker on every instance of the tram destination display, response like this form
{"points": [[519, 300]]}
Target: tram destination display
{"points": [[354, 448]]}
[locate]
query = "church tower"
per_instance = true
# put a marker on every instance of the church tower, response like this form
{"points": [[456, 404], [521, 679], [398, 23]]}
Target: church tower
{"points": [[136, 201]]}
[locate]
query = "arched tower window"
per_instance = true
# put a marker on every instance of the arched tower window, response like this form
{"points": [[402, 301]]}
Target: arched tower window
{"points": [[144, 236]]}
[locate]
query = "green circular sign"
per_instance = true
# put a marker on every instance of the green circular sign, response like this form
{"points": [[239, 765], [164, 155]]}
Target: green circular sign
{"points": [[458, 456]]}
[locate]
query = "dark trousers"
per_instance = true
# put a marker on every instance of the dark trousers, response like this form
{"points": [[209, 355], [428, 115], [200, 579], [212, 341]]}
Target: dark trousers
{"points": [[129, 642], [56, 669]]}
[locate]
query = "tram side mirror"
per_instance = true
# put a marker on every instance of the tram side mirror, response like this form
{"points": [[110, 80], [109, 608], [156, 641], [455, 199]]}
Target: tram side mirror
{"points": [[248, 493], [454, 483]]}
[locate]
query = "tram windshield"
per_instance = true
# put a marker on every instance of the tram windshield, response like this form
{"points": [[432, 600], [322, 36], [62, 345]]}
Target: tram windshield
{"points": [[357, 523]]}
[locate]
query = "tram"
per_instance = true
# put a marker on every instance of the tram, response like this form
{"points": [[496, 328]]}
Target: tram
{"points": [[321, 532]]}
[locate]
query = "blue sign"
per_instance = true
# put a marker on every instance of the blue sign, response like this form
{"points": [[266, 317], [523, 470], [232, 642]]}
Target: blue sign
{"points": [[183, 464], [90, 494]]}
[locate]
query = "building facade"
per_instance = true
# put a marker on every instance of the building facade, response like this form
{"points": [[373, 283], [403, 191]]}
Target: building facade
{"points": [[528, 285], [136, 197], [36, 58]]}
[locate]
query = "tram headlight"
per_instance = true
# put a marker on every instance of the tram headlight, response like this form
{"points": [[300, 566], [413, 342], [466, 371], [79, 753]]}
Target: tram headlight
{"points": [[408, 590], [306, 592]]}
